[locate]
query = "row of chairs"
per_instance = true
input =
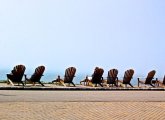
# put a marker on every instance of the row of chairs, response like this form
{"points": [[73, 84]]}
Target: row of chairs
{"points": [[17, 74], [18, 71], [112, 78]]}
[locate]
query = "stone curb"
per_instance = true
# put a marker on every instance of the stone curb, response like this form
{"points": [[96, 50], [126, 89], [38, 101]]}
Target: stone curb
{"points": [[81, 88]]}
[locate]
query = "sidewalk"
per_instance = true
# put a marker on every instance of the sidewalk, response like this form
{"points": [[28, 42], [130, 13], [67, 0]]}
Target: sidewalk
{"points": [[82, 111], [81, 105]]}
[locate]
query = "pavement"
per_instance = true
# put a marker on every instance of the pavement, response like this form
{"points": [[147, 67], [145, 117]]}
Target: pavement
{"points": [[81, 105]]}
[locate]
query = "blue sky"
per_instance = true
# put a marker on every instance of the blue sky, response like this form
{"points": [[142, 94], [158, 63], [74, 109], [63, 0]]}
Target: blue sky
{"points": [[110, 34]]}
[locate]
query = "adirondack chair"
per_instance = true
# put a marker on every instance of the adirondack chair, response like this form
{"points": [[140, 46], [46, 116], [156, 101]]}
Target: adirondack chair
{"points": [[112, 77], [16, 75], [36, 76], [97, 77], [127, 77], [159, 82], [148, 79], [68, 77]]}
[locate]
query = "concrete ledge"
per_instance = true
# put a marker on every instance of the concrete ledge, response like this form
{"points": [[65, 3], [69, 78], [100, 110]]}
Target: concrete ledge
{"points": [[4, 86], [80, 88]]}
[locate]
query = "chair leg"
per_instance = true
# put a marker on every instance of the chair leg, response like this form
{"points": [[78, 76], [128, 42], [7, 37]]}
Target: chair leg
{"points": [[130, 84], [152, 85], [62, 82], [100, 84], [25, 82], [22, 83], [41, 83], [96, 85], [116, 85], [11, 82], [138, 82], [73, 84]]}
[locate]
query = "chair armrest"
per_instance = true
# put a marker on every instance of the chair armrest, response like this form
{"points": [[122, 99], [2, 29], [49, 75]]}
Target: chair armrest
{"points": [[9, 73], [142, 77]]}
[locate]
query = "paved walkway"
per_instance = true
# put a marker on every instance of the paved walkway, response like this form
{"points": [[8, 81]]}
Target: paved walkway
{"points": [[81, 96], [82, 111], [82, 105]]}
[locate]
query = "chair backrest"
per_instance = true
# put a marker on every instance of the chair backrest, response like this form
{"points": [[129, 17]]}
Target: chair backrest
{"points": [[150, 76], [97, 75], [38, 74], [112, 76], [69, 74], [128, 76], [40, 70], [18, 72]]}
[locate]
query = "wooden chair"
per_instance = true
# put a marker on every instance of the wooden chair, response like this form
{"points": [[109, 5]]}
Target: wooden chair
{"points": [[68, 77], [127, 77], [36, 76], [97, 77], [148, 79], [112, 77], [16, 75], [159, 82]]}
